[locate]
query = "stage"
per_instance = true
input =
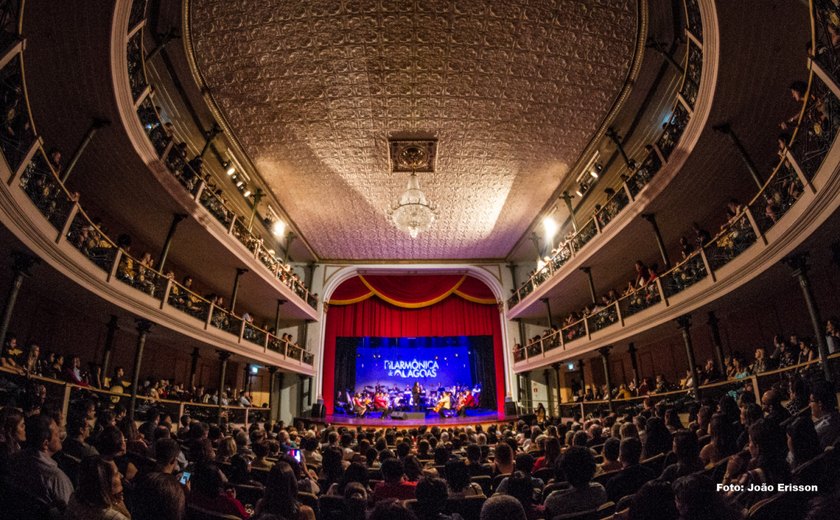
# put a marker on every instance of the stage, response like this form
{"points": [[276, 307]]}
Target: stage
{"points": [[473, 417]]}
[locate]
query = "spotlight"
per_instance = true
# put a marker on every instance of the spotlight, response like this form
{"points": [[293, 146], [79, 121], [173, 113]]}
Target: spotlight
{"points": [[255, 369], [239, 184], [247, 193], [579, 193], [571, 366], [278, 228], [550, 226], [230, 169], [593, 173]]}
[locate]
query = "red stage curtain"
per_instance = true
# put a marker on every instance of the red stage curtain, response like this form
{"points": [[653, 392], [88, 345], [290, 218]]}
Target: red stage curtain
{"points": [[454, 315]]}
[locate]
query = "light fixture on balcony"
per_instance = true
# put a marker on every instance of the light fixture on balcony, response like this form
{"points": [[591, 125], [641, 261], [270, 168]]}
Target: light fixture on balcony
{"points": [[247, 193], [278, 228], [413, 214], [231, 169]]}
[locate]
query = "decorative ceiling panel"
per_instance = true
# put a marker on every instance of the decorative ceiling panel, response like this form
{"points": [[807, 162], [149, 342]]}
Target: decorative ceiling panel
{"points": [[513, 91]]}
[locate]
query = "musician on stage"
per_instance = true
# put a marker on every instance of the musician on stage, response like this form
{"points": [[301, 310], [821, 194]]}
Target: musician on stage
{"points": [[467, 400], [416, 390], [380, 402], [359, 406], [444, 405]]}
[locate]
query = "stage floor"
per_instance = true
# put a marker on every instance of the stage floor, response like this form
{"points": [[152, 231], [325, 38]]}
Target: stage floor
{"points": [[374, 421]]}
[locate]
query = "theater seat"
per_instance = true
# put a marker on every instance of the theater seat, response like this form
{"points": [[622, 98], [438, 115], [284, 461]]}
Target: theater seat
{"points": [[656, 463], [583, 515], [605, 477], [248, 495], [484, 481], [545, 474], [468, 507], [332, 507], [197, 513], [497, 480], [310, 500], [789, 505]]}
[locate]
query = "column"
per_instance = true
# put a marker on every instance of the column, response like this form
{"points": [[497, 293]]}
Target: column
{"points": [[171, 34], [616, 139], [258, 195], [143, 328], [556, 367], [529, 391], [280, 303], [684, 324], [281, 378], [549, 396], [798, 262], [167, 243], [663, 252], [193, 366], [726, 129], [91, 131], [660, 48], [239, 272], [716, 342], [21, 263], [592, 294], [582, 378], [567, 197], [634, 362], [548, 311], [209, 135], [605, 358], [272, 399], [223, 361], [110, 334]]}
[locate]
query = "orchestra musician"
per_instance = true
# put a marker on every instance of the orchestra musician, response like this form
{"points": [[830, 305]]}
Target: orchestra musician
{"points": [[444, 404], [416, 390], [467, 400], [359, 405]]}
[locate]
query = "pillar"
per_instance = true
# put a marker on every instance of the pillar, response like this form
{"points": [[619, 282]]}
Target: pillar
{"points": [[616, 139], [94, 127], [663, 252], [556, 367], [529, 391], [716, 342], [592, 293], [164, 40], [239, 272], [798, 262], [726, 129], [21, 263], [634, 362], [605, 358], [272, 399], [143, 328], [549, 395], [659, 47], [110, 334], [193, 366], [258, 195], [223, 361], [167, 243], [684, 324], [548, 312], [280, 303], [582, 378], [567, 197], [209, 135]]}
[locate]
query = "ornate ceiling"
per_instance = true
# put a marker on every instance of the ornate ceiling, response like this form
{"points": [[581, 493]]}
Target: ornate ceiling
{"points": [[512, 90]]}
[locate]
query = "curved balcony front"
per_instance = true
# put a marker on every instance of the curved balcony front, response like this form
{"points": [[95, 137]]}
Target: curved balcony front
{"points": [[773, 225], [641, 185]]}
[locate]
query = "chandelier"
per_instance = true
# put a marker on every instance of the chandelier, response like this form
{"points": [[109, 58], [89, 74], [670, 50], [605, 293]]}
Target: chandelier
{"points": [[414, 214]]}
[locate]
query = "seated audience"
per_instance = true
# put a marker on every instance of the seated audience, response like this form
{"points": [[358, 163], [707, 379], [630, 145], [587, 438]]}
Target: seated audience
{"points": [[458, 481], [157, 496], [78, 431], [394, 484], [431, 499], [502, 507], [99, 495], [632, 475], [653, 501], [610, 454], [208, 492], [697, 498], [823, 404], [280, 496], [687, 452], [33, 472], [578, 466]]}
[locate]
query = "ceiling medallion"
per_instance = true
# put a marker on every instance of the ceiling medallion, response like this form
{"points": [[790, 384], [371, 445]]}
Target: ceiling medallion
{"points": [[413, 155], [413, 214]]}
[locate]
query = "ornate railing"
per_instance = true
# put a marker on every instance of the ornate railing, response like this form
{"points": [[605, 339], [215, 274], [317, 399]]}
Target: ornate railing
{"points": [[749, 226], [36, 176], [640, 177], [174, 156]]}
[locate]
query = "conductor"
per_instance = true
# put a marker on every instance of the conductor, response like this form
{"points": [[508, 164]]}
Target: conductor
{"points": [[415, 395]]}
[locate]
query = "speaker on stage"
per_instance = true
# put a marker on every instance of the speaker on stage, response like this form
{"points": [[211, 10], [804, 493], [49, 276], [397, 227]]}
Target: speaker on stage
{"points": [[510, 407], [400, 416], [318, 411]]}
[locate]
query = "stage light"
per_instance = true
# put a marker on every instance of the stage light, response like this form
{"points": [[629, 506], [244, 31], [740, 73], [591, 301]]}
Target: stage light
{"points": [[231, 169], [579, 193], [571, 366], [247, 193], [255, 369]]}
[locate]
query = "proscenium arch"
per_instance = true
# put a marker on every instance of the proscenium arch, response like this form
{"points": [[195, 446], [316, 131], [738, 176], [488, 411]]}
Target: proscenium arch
{"points": [[477, 272]]}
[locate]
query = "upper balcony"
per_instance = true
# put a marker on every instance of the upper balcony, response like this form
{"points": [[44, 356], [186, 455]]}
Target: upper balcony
{"points": [[47, 218], [792, 208], [70, 83], [637, 182]]}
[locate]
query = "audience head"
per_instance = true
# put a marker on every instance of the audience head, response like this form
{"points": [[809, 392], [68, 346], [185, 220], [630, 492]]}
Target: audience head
{"points": [[578, 466], [802, 441], [823, 399], [281, 491], [502, 507], [99, 483], [630, 451], [392, 470], [654, 501], [163, 498], [42, 434], [431, 496], [457, 475], [686, 447], [166, 454], [504, 454], [697, 498], [611, 447]]}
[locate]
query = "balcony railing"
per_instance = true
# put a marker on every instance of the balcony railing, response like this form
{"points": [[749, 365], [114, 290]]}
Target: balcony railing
{"points": [[641, 176], [37, 178], [174, 156], [783, 189]]}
